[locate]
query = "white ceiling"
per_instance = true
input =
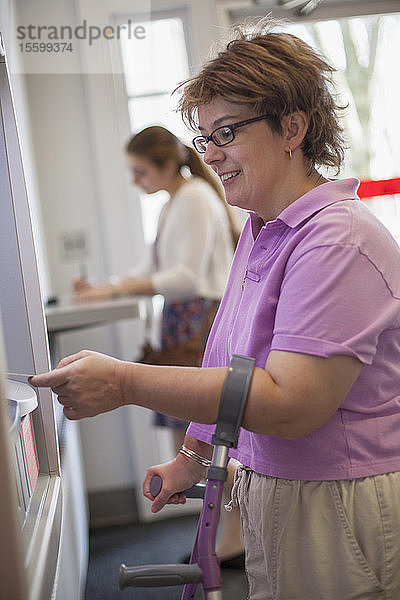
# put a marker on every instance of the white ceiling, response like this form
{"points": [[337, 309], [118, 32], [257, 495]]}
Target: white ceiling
{"points": [[312, 9]]}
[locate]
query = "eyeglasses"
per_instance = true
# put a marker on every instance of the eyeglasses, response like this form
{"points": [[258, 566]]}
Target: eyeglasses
{"points": [[222, 135]]}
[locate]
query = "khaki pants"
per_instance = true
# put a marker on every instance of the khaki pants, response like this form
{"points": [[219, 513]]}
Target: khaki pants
{"points": [[320, 540]]}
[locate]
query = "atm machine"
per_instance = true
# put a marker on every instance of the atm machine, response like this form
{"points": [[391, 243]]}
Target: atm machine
{"points": [[43, 517]]}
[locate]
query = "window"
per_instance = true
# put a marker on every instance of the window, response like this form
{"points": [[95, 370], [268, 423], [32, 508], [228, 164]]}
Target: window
{"points": [[153, 67], [365, 51]]}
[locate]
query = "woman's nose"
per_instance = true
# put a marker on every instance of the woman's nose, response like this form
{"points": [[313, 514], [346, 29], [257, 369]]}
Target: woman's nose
{"points": [[213, 153]]}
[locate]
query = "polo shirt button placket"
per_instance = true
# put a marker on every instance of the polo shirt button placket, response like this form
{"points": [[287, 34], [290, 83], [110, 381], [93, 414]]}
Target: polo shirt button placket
{"points": [[244, 279]]}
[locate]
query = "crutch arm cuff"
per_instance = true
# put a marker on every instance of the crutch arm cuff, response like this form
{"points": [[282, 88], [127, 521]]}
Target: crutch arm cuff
{"points": [[233, 401]]}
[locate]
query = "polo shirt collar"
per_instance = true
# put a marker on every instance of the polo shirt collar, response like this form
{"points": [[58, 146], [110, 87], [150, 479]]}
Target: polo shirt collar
{"points": [[335, 190]]}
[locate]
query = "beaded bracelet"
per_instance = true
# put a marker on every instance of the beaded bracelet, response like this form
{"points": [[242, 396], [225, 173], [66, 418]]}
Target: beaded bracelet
{"points": [[205, 462]]}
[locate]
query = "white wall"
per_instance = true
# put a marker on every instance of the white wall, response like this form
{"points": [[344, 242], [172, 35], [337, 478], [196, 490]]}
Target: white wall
{"points": [[77, 139]]}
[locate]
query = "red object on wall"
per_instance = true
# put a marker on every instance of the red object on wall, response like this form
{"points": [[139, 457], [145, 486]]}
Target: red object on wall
{"points": [[30, 451], [383, 187]]}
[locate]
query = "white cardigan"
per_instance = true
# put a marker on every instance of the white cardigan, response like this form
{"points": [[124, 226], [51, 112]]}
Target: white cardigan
{"points": [[194, 245]]}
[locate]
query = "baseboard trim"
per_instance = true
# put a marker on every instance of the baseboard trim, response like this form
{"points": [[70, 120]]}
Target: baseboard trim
{"points": [[112, 507]]}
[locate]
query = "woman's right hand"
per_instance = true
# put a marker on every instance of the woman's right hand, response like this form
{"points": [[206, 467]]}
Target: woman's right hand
{"points": [[177, 475], [88, 292]]}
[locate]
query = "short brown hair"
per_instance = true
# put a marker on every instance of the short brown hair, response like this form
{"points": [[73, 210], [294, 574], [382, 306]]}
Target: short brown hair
{"points": [[276, 73]]}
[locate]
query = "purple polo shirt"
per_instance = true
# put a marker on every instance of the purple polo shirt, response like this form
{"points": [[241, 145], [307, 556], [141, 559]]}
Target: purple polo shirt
{"points": [[322, 279]]}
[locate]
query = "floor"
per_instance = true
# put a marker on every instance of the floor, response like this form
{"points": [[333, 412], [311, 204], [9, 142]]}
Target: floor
{"points": [[165, 541]]}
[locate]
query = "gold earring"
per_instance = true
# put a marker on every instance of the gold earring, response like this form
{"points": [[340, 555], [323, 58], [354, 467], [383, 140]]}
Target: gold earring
{"points": [[290, 154]]}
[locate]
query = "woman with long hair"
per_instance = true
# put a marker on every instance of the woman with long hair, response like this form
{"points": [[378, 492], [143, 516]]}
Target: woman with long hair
{"points": [[189, 265], [191, 256]]}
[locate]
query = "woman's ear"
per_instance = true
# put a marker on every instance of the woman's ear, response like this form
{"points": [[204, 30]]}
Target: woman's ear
{"points": [[295, 127], [170, 167]]}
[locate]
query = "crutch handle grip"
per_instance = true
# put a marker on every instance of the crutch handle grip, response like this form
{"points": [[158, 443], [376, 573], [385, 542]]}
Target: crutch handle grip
{"points": [[196, 491], [155, 485], [158, 575]]}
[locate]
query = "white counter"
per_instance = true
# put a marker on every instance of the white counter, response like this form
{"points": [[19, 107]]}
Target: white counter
{"points": [[69, 314]]}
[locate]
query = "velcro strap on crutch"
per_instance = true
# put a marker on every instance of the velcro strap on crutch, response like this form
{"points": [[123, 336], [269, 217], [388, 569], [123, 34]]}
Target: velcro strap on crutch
{"points": [[233, 401]]}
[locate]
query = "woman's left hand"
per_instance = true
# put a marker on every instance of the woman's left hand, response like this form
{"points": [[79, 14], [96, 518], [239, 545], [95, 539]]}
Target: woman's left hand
{"points": [[102, 291], [87, 384]]}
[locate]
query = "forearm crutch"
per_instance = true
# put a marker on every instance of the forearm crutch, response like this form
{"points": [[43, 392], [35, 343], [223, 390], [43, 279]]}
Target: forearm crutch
{"points": [[204, 565]]}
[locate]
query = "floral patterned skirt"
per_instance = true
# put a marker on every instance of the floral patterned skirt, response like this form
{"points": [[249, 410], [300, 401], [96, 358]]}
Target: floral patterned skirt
{"points": [[185, 324]]}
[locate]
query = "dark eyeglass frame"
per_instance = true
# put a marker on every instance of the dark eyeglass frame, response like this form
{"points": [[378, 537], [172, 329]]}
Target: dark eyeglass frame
{"points": [[232, 127]]}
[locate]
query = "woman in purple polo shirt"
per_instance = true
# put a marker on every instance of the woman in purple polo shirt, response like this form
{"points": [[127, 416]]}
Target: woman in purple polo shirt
{"points": [[314, 297]]}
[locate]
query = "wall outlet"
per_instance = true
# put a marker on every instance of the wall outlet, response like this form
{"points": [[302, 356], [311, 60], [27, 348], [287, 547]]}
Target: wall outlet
{"points": [[74, 246]]}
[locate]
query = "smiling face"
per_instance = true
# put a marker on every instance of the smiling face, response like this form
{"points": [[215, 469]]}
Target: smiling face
{"points": [[253, 167]]}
